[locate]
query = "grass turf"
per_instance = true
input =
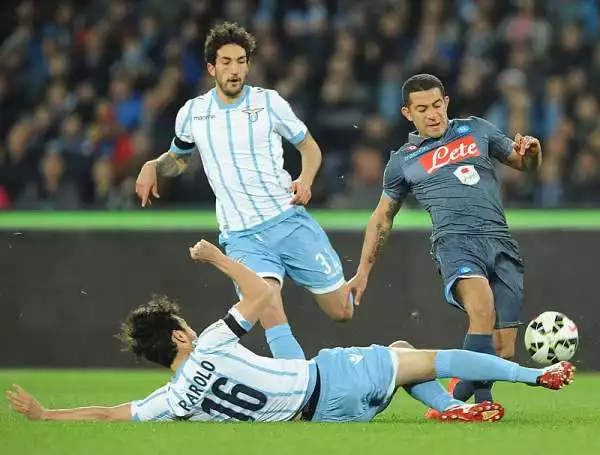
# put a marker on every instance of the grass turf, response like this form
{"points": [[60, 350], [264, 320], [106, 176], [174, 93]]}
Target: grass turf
{"points": [[536, 421]]}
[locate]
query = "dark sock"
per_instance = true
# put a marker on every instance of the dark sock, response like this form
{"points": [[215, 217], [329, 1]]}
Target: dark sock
{"points": [[481, 389]]}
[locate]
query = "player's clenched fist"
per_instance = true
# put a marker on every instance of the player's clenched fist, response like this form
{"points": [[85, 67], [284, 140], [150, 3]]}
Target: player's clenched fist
{"points": [[147, 182], [526, 145], [204, 251]]}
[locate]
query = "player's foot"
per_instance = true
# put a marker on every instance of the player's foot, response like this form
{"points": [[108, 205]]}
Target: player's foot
{"points": [[479, 412], [434, 414], [557, 376]]}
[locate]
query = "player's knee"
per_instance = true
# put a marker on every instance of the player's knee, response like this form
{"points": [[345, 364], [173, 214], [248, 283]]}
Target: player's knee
{"points": [[401, 344], [342, 313], [336, 304]]}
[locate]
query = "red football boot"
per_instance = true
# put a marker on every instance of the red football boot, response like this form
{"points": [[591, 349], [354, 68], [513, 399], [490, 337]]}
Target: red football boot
{"points": [[557, 376], [478, 412], [434, 414]]}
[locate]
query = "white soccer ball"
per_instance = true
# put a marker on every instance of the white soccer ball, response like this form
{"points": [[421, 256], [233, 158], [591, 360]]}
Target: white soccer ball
{"points": [[551, 337]]}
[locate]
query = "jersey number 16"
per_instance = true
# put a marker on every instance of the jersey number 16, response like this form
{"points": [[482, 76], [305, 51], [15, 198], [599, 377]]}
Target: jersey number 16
{"points": [[237, 397]]}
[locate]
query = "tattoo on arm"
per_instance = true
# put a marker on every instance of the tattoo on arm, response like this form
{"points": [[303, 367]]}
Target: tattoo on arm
{"points": [[171, 165], [383, 229], [382, 235]]}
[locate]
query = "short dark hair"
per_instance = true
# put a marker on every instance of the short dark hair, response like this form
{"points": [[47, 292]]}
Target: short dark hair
{"points": [[227, 33], [420, 83], [148, 329]]}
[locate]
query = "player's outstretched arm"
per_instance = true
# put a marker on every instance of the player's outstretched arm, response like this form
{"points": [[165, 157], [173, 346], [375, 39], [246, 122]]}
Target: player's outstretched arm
{"points": [[256, 292], [169, 164], [376, 234], [26, 404]]}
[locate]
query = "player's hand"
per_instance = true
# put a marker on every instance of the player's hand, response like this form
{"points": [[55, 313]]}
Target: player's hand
{"points": [[147, 182], [356, 287], [24, 403], [302, 193], [204, 251], [527, 145]]}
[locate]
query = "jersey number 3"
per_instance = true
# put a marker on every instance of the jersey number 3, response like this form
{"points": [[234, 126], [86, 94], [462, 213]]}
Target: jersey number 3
{"points": [[327, 264], [238, 396]]}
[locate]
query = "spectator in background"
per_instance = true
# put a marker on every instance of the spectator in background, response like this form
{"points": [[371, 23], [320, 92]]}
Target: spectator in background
{"points": [[127, 104], [92, 79], [19, 165], [363, 186], [53, 190], [108, 193]]}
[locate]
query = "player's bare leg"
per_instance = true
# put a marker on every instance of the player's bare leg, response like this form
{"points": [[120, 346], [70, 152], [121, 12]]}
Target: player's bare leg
{"points": [[337, 304], [282, 342], [475, 294], [274, 314], [505, 341]]}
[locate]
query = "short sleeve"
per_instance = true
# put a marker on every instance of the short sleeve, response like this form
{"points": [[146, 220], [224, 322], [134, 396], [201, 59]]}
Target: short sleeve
{"points": [[395, 185], [500, 145], [287, 124], [223, 334], [155, 407], [183, 142]]}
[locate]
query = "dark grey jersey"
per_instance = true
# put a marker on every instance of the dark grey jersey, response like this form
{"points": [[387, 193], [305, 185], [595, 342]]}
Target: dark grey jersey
{"points": [[453, 177]]}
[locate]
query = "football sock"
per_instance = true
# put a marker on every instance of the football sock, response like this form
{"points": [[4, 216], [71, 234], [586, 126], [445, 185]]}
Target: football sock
{"points": [[482, 390], [282, 342], [473, 366], [433, 395]]}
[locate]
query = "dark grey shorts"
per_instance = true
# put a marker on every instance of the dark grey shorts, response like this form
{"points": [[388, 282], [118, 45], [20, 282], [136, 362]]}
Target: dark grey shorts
{"points": [[495, 259]]}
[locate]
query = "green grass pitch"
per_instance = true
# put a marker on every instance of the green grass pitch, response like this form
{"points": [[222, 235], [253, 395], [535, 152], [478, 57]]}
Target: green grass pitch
{"points": [[536, 421]]}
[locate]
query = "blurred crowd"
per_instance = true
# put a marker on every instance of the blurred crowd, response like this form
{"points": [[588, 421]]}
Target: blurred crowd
{"points": [[89, 90]]}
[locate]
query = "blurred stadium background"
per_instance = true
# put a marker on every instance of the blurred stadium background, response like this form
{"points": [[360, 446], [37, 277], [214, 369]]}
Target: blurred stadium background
{"points": [[89, 90]]}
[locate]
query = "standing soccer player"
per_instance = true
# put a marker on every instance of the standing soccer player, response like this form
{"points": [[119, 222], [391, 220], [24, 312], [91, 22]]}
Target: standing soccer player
{"points": [[237, 129], [449, 167]]}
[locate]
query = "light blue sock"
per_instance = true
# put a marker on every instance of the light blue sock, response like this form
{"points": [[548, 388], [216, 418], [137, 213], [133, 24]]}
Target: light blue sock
{"points": [[474, 366], [282, 342], [433, 395]]}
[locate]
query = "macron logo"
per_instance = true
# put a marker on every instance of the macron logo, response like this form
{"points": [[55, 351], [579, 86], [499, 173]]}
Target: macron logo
{"points": [[355, 358], [204, 117], [453, 152]]}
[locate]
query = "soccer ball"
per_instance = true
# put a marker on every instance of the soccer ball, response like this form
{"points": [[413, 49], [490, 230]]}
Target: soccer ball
{"points": [[551, 337]]}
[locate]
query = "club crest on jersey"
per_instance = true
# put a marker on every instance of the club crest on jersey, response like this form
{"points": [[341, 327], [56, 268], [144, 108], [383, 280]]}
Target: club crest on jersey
{"points": [[453, 152], [253, 113], [467, 174]]}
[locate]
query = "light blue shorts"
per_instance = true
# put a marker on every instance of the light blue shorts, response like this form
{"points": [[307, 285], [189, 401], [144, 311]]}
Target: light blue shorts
{"points": [[293, 244], [356, 383]]}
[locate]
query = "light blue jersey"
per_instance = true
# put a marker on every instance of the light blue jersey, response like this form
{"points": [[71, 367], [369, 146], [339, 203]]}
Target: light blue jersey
{"points": [[224, 381], [242, 154]]}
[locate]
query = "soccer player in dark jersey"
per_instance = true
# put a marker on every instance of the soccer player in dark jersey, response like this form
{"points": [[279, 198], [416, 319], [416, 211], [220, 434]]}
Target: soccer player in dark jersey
{"points": [[448, 165]]}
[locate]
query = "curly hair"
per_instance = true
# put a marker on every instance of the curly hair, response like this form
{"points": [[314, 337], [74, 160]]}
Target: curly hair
{"points": [[147, 331], [227, 33]]}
